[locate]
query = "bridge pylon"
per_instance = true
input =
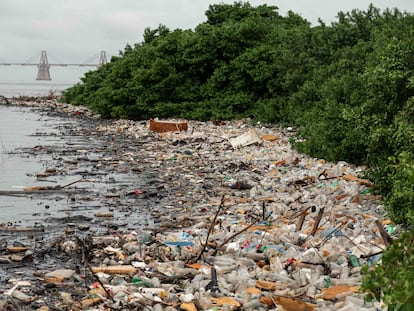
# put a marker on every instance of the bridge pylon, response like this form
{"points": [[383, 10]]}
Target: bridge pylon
{"points": [[43, 68], [43, 71], [102, 58]]}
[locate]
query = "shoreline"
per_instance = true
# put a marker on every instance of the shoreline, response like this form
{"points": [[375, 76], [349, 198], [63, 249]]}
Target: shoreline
{"points": [[238, 227]]}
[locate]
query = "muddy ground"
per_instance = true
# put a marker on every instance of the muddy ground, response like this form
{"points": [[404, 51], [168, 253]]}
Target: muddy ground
{"points": [[114, 190]]}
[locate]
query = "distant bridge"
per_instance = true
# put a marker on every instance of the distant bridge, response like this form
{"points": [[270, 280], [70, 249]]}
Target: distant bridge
{"points": [[43, 65]]}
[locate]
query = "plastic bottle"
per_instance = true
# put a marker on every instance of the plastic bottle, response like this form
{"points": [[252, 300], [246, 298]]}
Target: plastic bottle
{"points": [[160, 292], [354, 261], [328, 282], [253, 304], [138, 282], [158, 307], [355, 300]]}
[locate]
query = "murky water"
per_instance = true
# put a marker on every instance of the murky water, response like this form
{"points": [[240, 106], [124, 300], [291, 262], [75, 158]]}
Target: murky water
{"points": [[36, 142], [22, 128], [18, 129], [38, 88], [33, 142]]}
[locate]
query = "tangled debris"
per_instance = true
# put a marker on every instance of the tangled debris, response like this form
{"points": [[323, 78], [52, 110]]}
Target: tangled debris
{"points": [[231, 219]]}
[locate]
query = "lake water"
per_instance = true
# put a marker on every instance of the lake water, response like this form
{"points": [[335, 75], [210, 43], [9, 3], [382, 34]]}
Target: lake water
{"points": [[18, 126], [22, 128], [11, 89], [21, 81]]}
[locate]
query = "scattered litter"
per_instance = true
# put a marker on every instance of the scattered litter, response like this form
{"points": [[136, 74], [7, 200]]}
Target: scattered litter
{"points": [[259, 227]]}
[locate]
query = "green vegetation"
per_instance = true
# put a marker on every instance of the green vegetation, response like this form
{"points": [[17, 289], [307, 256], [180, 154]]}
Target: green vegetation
{"points": [[348, 87], [392, 280]]}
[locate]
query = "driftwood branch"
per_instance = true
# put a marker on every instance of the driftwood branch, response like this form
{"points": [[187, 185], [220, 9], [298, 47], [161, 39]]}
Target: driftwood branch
{"points": [[210, 229], [87, 265], [58, 187], [301, 219], [317, 221]]}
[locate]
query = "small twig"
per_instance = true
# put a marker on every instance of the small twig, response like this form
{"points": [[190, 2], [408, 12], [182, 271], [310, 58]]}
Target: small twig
{"points": [[300, 222], [328, 236], [324, 264], [302, 218], [317, 221], [70, 184], [86, 263], [384, 235], [371, 255], [210, 229], [236, 234]]}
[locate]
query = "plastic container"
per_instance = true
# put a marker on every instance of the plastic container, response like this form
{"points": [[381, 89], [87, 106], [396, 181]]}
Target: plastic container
{"points": [[354, 261]]}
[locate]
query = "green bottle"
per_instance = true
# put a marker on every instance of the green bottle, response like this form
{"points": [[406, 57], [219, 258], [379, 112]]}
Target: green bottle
{"points": [[354, 261]]}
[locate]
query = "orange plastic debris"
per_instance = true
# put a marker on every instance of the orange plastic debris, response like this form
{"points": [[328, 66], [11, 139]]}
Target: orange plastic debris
{"points": [[281, 162], [332, 292], [269, 137], [292, 304], [221, 301], [253, 291], [188, 306], [349, 177], [118, 269], [195, 265], [267, 301], [267, 285], [17, 249], [325, 253], [356, 199], [340, 197], [167, 126]]}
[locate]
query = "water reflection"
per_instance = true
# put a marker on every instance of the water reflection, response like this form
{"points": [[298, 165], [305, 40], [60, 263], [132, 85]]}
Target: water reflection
{"points": [[20, 129]]}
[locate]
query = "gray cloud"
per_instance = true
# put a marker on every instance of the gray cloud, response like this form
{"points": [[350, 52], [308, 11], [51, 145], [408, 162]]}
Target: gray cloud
{"points": [[74, 30]]}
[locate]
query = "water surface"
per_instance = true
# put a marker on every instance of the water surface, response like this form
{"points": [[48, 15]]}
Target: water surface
{"points": [[33, 142], [22, 129]]}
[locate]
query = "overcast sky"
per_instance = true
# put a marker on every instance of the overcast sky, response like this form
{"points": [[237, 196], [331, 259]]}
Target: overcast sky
{"points": [[73, 31]]}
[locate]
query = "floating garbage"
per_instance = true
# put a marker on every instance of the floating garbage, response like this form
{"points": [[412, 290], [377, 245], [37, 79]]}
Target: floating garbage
{"points": [[177, 222]]}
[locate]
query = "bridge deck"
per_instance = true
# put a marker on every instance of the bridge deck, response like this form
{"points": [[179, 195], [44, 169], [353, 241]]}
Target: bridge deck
{"points": [[61, 65]]}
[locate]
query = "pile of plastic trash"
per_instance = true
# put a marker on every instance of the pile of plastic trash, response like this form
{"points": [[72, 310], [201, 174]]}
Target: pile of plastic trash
{"points": [[249, 224]]}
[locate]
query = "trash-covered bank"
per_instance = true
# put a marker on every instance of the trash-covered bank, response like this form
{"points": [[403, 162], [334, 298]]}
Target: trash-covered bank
{"points": [[233, 219]]}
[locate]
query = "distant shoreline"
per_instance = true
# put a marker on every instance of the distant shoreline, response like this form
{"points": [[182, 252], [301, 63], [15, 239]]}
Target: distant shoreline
{"points": [[33, 89]]}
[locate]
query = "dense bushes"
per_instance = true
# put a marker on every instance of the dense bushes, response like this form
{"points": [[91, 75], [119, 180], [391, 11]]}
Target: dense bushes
{"points": [[349, 87], [392, 280], [234, 59]]}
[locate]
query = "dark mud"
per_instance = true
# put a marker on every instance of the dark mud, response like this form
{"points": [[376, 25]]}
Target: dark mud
{"points": [[94, 183]]}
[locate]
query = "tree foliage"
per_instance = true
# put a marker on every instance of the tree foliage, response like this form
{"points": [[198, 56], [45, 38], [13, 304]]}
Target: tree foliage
{"points": [[348, 86]]}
